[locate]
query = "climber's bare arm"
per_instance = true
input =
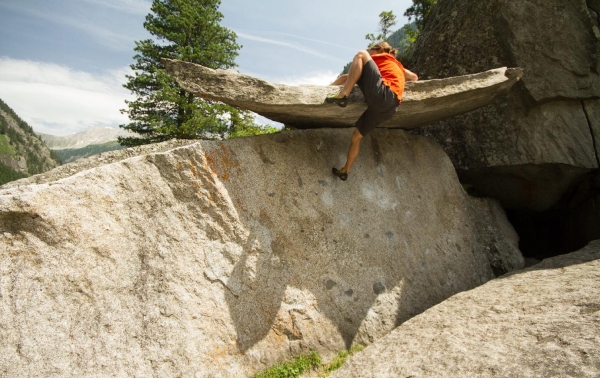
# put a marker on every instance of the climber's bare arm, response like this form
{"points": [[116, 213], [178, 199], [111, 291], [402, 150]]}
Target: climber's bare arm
{"points": [[341, 80], [410, 76]]}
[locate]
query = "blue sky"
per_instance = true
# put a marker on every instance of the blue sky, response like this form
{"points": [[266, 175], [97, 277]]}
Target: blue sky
{"points": [[63, 62]]}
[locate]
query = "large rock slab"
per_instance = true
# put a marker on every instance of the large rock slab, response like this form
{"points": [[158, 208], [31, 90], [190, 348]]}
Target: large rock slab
{"points": [[303, 106], [222, 257], [540, 322]]}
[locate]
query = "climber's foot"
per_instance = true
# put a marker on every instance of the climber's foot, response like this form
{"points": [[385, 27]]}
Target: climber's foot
{"points": [[338, 173], [338, 100]]}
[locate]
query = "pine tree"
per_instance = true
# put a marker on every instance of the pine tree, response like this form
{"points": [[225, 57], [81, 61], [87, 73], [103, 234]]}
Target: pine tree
{"points": [[187, 30]]}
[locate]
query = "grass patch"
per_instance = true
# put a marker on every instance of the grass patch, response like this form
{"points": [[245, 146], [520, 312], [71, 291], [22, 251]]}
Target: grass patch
{"points": [[294, 368], [5, 147], [7, 174], [339, 360], [312, 360]]}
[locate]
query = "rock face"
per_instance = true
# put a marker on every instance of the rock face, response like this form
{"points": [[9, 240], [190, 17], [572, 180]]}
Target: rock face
{"points": [[540, 322], [303, 106], [535, 147], [544, 119], [219, 258]]}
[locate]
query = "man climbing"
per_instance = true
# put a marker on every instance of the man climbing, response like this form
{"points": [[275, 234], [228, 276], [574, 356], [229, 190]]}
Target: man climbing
{"points": [[380, 78]]}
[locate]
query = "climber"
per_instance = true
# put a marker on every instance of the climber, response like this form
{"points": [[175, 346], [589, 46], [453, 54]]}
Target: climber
{"points": [[380, 78]]}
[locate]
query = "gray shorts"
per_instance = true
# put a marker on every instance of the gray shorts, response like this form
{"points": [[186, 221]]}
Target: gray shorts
{"points": [[381, 101]]}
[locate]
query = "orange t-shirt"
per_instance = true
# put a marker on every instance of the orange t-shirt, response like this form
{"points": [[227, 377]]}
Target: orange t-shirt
{"points": [[392, 72]]}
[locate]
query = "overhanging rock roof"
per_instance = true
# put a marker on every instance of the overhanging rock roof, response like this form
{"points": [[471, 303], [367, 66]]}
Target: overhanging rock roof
{"points": [[303, 106]]}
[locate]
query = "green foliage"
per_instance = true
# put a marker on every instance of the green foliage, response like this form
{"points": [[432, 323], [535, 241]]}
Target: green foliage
{"points": [[186, 30], [22, 124], [401, 39], [7, 174], [5, 147], [293, 368], [339, 360], [300, 364], [13, 143], [346, 68], [252, 129], [5, 129], [386, 21], [245, 125], [404, 38], [410, 33], [3, 125], [54, 156]]}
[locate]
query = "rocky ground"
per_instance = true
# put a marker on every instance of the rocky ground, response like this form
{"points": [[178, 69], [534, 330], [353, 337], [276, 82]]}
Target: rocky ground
{"points": [[543, 321]]}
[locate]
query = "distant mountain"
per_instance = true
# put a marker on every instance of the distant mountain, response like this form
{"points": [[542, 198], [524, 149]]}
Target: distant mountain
{"points": [[95, 135], [68, 155], [22, 152], [85, 143]]}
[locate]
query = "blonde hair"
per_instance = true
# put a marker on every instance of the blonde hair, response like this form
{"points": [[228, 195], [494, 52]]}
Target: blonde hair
{"points": [[384, 47]]}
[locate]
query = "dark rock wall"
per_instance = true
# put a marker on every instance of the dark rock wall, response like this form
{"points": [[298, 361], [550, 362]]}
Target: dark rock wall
{"points": [[539, 145]]}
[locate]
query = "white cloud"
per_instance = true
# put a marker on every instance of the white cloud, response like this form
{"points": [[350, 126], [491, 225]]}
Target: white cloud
{"points": [[58, 100], [316, 40], [313, 78], [285, 44], [246, 32], [140, 7]]}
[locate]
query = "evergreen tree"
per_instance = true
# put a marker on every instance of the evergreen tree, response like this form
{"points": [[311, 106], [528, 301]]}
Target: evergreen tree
{"points": [[187, 30]]}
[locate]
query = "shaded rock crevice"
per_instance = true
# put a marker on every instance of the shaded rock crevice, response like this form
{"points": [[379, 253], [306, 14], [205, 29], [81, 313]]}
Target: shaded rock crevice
{"points": [[20, 223], [594, 137]]}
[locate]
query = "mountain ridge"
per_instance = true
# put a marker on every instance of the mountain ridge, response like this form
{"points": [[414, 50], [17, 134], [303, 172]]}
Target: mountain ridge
{"points": [[22, 152], [92, 136]]}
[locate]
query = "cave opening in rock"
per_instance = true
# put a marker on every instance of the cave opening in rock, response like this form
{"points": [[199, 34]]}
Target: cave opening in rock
{"points": [[567, 226], [542, 234]]}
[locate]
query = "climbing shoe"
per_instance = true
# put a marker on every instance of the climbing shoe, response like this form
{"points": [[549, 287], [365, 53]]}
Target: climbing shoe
{"points": [[342, 176], [339, 101]]}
